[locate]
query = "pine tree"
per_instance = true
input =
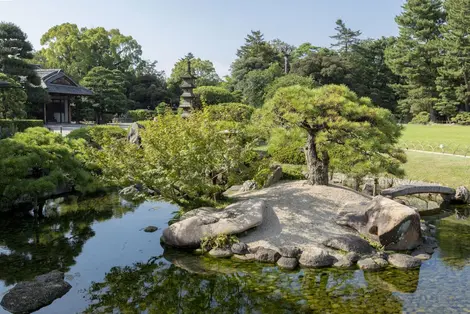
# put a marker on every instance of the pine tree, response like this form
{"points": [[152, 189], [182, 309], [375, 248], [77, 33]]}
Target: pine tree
{"points": [[345, 37], [453, 81], [415, 55]]}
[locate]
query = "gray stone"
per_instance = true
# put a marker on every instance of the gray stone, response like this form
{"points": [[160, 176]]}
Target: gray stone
{"points": [[30, 296], [368, 188], [249, 185], [462, 195], [393, 225], [253, 250], [274, 177], [239, 248], [234, 219], [150, 229], [372, 263], [419, 254], [267, 255], [404, 261], [316, 257], [133, 136], [343, 262], [287, 262], [353, 257], [349, 243], [290, 251], [220, 253], [246, 257]]}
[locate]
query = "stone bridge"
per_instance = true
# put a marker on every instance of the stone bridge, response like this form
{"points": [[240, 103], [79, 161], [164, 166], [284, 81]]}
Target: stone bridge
{"points": [[403, 190]]}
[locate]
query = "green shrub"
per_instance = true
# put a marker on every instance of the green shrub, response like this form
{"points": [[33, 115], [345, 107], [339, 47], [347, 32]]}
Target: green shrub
{"points": [[19, 125], [421, 118], [235, 112], [293, 172], [220, 241], [286, 146], [91, 133], [462, 118], [141, 114], [213, 95]]}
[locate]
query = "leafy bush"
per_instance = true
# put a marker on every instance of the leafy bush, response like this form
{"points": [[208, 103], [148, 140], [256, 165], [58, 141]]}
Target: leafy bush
{"points": [[286, 145], [89, 133], [421, 118], [141, 114], [219, 241], [235, 112], [286, 81], [213, 95], [462, 118], [35, 163], [184, 159]]}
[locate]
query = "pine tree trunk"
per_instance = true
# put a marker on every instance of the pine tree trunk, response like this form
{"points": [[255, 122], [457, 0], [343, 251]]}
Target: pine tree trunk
{"points": [[286, 65], [317, 167]]}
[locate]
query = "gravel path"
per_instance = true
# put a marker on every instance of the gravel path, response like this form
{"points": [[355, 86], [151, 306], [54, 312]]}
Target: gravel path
{"points": [[299, 214]]}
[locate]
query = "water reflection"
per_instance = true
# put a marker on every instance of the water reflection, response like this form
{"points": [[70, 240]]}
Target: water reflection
{"points": [[454, 241], [32, 246], [201, 285]]}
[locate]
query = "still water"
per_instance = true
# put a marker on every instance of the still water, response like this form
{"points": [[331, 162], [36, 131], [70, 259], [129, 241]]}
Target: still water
{"points": [[115, 267]]}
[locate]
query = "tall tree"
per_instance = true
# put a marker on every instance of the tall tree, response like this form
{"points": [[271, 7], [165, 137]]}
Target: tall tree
{"points": [[12, 100], [415, 55], [304, 50], [108, 88], [203, 70], [334, 118], [345, 37], [453, 82], [285, 50]]}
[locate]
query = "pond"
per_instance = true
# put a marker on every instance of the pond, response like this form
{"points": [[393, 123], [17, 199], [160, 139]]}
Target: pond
{"points": [[116, 267]]}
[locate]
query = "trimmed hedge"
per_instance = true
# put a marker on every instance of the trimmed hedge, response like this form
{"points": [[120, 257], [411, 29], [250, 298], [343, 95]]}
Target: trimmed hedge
{"points": [[462, 118], [19, 125], [141, 114]]}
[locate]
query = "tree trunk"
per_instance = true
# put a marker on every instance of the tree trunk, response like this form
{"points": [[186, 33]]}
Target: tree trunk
{"points": [[317, 166], [286, 64]]}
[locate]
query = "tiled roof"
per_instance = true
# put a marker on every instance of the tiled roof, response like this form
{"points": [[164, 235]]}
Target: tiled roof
{"points": [[50, 75]]}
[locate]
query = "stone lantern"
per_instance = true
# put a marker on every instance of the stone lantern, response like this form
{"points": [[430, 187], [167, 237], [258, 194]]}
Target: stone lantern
{"points": [[187, 86]]}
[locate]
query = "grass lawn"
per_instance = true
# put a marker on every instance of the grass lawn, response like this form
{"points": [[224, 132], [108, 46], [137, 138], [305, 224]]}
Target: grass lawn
{"points": [[454, 138], [446, 170]]}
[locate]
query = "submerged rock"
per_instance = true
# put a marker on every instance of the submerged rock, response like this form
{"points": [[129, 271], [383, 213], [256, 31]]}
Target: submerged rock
{"points": [[267, 255], [350, 243], [206, 222], [404, 261], [150, 229], [393, 225], [316, 257], [289, 263], [30, 296]]}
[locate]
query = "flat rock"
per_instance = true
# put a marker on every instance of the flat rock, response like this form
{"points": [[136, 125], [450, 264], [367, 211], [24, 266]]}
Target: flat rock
{"points": [[421, 256], [246, 257], [393, 225], [343, 262], [372, 263], [316, 257], [287, 262], [30, 296], [208, 222], [220, 253], [290, 251], [350, 243], [239, 248], [267, 255], [404, 261]]}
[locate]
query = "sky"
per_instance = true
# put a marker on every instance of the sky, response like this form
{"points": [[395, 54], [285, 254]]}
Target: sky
{"points": [[210, 29]]}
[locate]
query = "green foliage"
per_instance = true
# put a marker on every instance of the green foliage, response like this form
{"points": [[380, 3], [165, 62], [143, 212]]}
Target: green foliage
{"points": [[108, 91], [91, 134], [255, 82], [286, 81], [141, 114], [146, 91], [336, 120], [9, 127], [184, 159], [36, 163], [203, 70], [12, 100], [286, 145], [421, 118], [293, 172], [415, 55], [219, 241], [462, 118], [213, 95], [233, 112]]}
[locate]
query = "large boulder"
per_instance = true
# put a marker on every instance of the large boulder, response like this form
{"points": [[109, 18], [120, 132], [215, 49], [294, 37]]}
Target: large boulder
{"points": [[349, 243], [267, 255], [209, 222], [133, 136], [393, 225], [30, 296], [462, 195]]}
